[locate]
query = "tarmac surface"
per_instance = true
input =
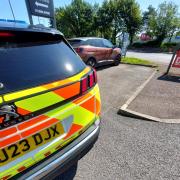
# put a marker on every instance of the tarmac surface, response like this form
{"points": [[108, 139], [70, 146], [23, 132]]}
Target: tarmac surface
{"points": [[159, 58], [127, 148]]}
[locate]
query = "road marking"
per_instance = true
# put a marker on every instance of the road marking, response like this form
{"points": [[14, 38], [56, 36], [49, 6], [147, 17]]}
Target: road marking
{"points": [[139, 89], [130, 113]]}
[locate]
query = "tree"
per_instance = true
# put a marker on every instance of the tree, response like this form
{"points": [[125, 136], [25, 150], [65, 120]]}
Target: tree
{"points": [[178, 33], [174, 28], [130, 14], [165, 22], [75, 19], [62, 22], [115, 16], [147, 15], [104, 20], [118, 21]]}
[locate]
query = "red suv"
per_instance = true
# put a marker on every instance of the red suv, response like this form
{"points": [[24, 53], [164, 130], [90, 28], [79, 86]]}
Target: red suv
{"points": [[95, 50]]}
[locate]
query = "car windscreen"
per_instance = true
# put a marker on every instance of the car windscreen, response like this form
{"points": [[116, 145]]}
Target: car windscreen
{"points": [[107, 43], [25, 65]]}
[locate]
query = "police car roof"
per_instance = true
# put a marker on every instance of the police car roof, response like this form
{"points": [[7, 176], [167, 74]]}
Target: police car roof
{"points": [[15, 26]]}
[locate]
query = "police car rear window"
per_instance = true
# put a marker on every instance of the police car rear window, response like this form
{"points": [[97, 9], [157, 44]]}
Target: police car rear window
{"points": [[27, 64]]}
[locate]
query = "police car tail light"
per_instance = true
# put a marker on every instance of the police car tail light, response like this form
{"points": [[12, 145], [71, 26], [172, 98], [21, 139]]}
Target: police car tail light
{"points": [[89, 81], [95, 76], [84, 84], [6, 34]]}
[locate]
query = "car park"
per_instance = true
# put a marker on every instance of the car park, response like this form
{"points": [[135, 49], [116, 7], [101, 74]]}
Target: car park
{"points": [[96, 50], [49, 103]]}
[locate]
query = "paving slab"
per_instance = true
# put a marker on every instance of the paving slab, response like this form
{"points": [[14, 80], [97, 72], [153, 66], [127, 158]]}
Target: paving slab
{"points": [[160, 98]]}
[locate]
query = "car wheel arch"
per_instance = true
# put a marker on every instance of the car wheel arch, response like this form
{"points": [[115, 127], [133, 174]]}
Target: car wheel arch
{"points": [[91, 58]]}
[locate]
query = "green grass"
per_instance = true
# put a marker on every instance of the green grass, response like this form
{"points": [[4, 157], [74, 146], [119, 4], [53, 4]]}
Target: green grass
{"points": [[131, 60]]}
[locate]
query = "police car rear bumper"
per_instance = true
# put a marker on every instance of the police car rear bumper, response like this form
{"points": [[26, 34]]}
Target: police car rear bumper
{"points": [[64, 158]]}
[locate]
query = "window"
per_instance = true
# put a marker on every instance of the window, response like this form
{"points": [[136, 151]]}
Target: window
{"points": [[107, 43], [31, 65], [95, 42], [75, 42]]}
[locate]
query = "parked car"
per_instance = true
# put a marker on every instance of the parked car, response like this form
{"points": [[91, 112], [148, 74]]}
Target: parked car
{"points": [[49, 103], [96, 50]]}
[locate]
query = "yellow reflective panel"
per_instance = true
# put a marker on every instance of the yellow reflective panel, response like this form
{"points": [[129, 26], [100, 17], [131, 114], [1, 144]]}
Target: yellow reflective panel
{"points": [[57, 84], [23, 93], [39, 102], [13, 170], [38, 89], [97, 92], [78, 76], [1, 100]]}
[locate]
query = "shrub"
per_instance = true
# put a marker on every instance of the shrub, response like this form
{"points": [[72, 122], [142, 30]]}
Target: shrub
{"points": [[137, 44], [166, 46], [141, 44]]}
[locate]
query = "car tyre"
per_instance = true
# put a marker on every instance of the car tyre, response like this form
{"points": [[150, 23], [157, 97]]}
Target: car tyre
{"points": [[117, 60], [91, 62]]}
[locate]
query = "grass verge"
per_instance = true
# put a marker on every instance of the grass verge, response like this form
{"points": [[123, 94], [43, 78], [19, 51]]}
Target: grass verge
{"points": [[137, 61]]}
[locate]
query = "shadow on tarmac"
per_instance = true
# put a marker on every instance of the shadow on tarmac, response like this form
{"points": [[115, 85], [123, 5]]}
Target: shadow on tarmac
{"points": [[69, 174], [104, 65], [71, 168], [171, 78]]}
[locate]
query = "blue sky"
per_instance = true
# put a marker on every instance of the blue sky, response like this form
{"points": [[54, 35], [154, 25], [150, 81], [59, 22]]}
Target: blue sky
{"points": [[20, 11], [143, 3]]}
